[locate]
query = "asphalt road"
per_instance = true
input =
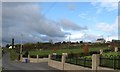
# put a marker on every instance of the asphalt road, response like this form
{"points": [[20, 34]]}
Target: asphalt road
{"points": [[16, 65]]}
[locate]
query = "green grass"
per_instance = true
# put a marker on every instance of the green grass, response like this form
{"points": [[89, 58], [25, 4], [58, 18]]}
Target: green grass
{"points": [[60, 51], [111, 53], [88, 57]]}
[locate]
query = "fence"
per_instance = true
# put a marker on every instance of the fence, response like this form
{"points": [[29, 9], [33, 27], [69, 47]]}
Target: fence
{"points": [[81, 61], [110, 61], [35, 56], [56, 57]]}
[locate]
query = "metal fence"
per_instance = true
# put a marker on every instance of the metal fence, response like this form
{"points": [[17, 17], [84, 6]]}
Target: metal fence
{"points": [[81, 61], [56, 57], [110, 61]]}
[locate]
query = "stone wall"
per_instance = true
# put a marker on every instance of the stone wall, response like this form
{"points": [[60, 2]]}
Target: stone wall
{"points": [[34, 60]]}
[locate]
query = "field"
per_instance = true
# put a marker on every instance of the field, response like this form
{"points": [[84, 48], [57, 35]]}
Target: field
{"points": [[60, 51], [74, 50]]}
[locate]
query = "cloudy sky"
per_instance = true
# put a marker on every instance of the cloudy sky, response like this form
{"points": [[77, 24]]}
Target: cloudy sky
{"points": [[57, 21]]}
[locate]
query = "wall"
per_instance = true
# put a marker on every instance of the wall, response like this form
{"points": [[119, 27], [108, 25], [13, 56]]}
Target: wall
{"points": [[66, 66]]}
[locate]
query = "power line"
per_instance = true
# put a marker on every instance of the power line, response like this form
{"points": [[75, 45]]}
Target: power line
{"points": [[53, 4]]}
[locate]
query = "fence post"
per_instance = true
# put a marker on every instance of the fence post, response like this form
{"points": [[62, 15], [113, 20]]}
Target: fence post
{"points": [[29, 58], [101, 51], [21, 58], [76, 60], [116, 49], [63, 59], [49, 56], [95, 61], [84, 62], [37, 58], [114, 65]]}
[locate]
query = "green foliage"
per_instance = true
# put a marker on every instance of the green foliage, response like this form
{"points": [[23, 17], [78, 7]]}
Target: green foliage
{"points": [[13, 54], [111, 53], [12, 42], [81, 42], [7, 46]]}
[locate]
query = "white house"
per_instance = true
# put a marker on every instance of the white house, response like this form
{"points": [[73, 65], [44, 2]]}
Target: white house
{"points": [[11, 47], [100, 40]]}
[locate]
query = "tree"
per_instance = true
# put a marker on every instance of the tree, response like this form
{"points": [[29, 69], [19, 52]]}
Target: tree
{"points": [[81, 42], [12, 43], [64, 42], [85, 49], [7, 46], [113, 45]]}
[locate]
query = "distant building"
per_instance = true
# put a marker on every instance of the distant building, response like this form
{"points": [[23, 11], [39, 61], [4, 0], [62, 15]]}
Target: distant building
{"points": [[11, 47], [100, 40], [116, 41], [108, 42]]}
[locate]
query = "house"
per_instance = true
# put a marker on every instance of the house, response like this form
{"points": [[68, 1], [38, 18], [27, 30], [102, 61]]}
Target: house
{"points": [[11, 47], [100, 40], [116, 41]]}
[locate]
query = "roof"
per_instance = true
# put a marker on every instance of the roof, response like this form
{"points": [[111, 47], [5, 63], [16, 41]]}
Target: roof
{"points": [[100, 39]]}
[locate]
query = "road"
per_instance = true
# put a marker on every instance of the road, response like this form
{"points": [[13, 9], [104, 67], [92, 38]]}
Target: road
{"points": [[16, 65]]}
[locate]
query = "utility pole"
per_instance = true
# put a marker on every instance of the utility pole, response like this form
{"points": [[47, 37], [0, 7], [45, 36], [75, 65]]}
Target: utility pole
{"points": [[12, 43], [108, 37], [69, 39], [102, 36], [21, 44]]}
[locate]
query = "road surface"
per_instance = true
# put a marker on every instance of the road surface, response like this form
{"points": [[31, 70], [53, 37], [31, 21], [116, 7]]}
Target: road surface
{"points": [[16, 65]]}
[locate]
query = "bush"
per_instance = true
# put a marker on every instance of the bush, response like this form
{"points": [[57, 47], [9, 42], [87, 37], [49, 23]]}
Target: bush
{"points": [[45, 56], [33, 56], [56, 57], [13, 54], [107, 50], [26, 54], [118, 49], [85, 49], [94, 52]]}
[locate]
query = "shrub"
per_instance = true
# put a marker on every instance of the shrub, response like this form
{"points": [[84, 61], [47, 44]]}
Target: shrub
{"points": [[44, 56], [13, 55], [94, 52], [113, 45], [33, 56], [107, 50]]}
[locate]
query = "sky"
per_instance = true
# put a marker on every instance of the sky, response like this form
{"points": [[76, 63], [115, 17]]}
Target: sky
{"points": [[59, 21]]}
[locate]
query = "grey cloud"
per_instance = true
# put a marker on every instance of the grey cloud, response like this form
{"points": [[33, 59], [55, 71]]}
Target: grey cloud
{"points": [[87, 37], [55, 39], [69, 25], [14, 4], [27, 19]]}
